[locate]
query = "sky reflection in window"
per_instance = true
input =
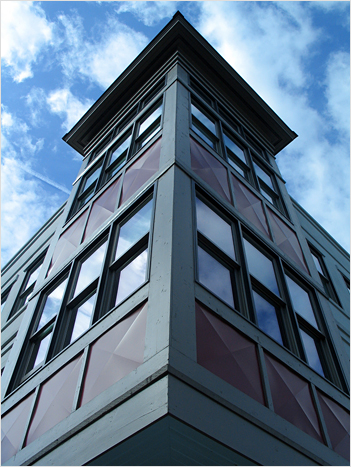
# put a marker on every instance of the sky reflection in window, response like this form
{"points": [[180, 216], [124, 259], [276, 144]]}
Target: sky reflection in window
{"points": [[132, 277]]}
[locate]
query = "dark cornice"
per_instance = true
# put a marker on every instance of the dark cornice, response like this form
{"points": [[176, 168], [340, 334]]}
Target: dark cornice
{"points": [[179, 35]]}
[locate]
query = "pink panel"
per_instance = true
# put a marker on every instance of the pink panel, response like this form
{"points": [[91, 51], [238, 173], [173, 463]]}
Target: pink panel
{"points": [[209, 169], [13, 425], [102, 208], [55, 400], [337, 420], [141, 171], [227, 354], [292, 398], [286, 239], [115, 354], [68, 242], [250, 206]]}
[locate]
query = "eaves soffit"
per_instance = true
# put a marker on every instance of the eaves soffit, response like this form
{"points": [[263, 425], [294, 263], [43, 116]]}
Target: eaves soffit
{"points": [[179, 35]]}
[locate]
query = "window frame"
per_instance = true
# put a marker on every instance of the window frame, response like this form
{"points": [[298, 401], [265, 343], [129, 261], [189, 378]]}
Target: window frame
{"points": [[323, 275], [25, 291]]}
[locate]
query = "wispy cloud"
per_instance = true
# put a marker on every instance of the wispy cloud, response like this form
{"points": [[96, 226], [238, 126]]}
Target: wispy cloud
{"points": [[25, 31], [149, 13]]}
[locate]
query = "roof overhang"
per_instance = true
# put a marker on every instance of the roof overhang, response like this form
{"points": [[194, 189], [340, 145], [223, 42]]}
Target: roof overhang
{"points": [[179, 36]]}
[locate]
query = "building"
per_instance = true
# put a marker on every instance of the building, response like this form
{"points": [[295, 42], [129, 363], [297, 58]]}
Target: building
{"points": [[180, 307]]}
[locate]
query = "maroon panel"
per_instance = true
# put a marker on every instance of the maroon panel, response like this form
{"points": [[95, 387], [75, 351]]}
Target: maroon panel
{"points": [[103, 207], [115, 354], [13, 425], [55, 400], [286, 239], [141, 171], [292, 398], [337, 420], [250, 206], [227, 354], [68, 242], [209, 169]]}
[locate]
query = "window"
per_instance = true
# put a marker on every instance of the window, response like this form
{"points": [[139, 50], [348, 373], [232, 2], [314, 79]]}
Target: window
{"points": [[102, 276], [216, 254], [323, 275], [203, 126], [227, 138], [265, 292], [235, 155], [4, 297], [117, 149], [266, 184], [310, 334], [28, 285]]}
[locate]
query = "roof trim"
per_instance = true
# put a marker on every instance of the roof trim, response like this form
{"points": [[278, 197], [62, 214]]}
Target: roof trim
{"points": [[178, 35]]}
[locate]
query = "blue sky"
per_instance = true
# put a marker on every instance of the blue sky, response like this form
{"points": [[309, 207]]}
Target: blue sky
{"points": [[59, 57]]}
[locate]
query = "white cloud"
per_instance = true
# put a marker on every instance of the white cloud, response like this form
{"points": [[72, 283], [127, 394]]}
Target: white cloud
{"points": [[149, 12], [24, 33], [275, 63], [24, 207], [100, 61], [338, 90], [67, 106]]}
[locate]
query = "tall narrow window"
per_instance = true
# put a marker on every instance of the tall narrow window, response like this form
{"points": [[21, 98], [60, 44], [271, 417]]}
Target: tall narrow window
{"points": [[215, 253], [117, 156], [149, 125], [310, 334], [324, 276], [235, 155], [266, 184], [204, 126], [28, 286], [266, 294]]}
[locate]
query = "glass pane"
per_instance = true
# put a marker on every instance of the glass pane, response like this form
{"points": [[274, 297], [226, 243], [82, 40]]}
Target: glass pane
{"points": [[317, 263], [214, 228], [86, 197], [263, 176], [267, 317], [132, 276], [311, 352], [215, 277], [234, 148], [236, 166], [301, 301], [43, 346], [261, 267], [90, 269], [209, 124], [266, 195], [123, 146], [25, 297], [91, 178], [52, 304], [3, 301], [150, 119], [83, 317], [34, 276], [202, 135], [134, 229], [112, 170]]}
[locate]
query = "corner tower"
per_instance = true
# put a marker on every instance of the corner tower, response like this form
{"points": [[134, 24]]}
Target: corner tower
{"points": [[180, 308]]}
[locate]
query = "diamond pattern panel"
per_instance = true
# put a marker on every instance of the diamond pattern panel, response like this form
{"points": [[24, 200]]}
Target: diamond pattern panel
{"points": [[12, 428], [115, 354], [227, 354], [209, 169], [68, 242], [287, 240], [55, 400], [102, 208], [292, 398], [141, 171], [250, 206], [337, 420]]}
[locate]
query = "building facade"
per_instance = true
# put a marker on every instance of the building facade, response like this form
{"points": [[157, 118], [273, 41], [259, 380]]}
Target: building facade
{"points": [[180, 308]]}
